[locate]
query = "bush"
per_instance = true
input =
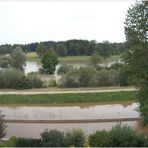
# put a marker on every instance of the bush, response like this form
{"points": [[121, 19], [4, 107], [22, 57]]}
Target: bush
{"points": [[107, 78], [9, 143], [28, 142], [122, 136], [100, 139], [82, 77], [63, 69], [12, 78], [52, 138], [75, 137]]}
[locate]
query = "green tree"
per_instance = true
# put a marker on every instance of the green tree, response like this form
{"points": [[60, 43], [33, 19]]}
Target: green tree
{"points": [[2, 127], [18, 58], [49, 62], [136, 59], [41, 50]]}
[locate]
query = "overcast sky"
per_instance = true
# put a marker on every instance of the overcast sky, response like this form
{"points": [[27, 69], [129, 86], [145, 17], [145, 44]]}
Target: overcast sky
{"points": [[34, 21]]}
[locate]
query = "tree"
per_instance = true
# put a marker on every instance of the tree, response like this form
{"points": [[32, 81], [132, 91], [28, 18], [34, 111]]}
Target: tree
{"points": [[2, 127], [41, 50], [49, 62], [95, 59], [18, 58], [136, 59]]}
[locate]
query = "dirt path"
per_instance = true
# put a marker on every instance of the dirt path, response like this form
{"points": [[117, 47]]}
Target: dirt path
{"points": [[65, 91]]}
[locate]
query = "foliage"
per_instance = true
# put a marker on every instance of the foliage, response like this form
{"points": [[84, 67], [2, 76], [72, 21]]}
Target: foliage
{"points": [[136, 26], [12, 78], [41, 50], [100, 139], [95, 59], [27, 142], [2, 127], [52, 138], [63, 69], [9, 143], [68, 98], [71, 47], [122, 136], [49, 62], [75, 137], [82, 77], [18, 58], [5, 61]]}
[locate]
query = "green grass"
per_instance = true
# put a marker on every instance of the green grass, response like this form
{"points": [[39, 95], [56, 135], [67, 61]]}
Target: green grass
{"points": [[68, 98]]}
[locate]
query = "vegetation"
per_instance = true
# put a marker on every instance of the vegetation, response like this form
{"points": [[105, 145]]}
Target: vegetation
{"points": [[41, 50], [68, 98], [27, 142], [100, 139], [49, 62], [93, 77], [136, 26], [12, 78], [71, 48], [118, 136], [18, 58], [75, 138], [52, 138], [2, 127]]}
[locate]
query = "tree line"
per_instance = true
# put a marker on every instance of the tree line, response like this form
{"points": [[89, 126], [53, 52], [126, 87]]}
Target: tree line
{"points": [[70, 47]]}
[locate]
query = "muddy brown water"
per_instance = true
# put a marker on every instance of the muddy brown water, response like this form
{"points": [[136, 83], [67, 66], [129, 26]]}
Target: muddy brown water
{"points": [[66, 112]]}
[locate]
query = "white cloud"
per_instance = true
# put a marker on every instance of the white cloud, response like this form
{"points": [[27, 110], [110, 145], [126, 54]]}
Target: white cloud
{"points": [[31, 21]]}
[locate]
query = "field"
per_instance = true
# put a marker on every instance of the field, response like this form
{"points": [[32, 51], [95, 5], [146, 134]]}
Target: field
{"points": [[70, 59], [69, 98]]}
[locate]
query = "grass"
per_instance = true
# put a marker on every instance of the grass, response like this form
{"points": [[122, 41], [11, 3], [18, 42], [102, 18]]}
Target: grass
{"points": [[73, 59], [69, 59], [68, 98]]}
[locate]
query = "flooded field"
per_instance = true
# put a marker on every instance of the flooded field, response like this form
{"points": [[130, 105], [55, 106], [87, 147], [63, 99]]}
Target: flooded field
{"points": [[33, 130], [66, 112], [83, 111]]}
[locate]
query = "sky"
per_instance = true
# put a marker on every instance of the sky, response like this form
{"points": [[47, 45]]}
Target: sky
{"points": [[27, 21]]}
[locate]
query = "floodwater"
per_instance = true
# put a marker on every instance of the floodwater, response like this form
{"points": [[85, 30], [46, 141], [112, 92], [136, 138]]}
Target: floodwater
{"points": [[70, 112], [31, 130], [66, 112]]}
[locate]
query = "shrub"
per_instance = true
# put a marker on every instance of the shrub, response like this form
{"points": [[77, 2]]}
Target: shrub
{"points": [[100, 139], [9, 143], [122, 136], [52, 138], [82, 77], [28, 142], [63, 69], [75, 137], [107, 78], [12, 78]]}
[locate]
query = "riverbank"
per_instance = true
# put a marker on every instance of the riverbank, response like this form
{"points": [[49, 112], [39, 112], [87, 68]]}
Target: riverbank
{"points": [[68, 98]]}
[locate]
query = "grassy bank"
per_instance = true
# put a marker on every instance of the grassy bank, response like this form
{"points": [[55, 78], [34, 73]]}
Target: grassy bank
{"points": [[68, 98]]}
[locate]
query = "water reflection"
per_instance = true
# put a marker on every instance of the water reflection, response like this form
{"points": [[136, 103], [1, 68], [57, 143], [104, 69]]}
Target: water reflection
{"points": [[97, 111], [33, 130]]}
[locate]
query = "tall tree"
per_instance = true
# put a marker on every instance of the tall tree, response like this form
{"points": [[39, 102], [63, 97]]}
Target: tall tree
{"points": [[136, 31], [18, 58], [49, 62]]}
